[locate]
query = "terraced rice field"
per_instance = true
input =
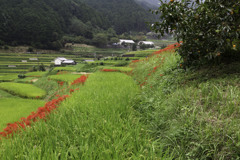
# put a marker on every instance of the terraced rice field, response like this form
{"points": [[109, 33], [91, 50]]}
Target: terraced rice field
{"points": [[11, 63], [23, 90]]}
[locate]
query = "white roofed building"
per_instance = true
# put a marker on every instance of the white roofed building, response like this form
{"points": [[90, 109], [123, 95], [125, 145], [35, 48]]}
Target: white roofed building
{"points": [[69, 62], [145, 42], [61, 60], [126, 41]]}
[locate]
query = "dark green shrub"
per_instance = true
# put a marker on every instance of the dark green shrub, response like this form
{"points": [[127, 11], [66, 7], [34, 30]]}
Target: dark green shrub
{"points": [[21, 76], [41, 68], [30, 49], [134, 47], [5, 47], [2, 43]]}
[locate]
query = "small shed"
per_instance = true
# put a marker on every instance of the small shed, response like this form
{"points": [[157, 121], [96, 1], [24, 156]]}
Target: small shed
{"points": [[69, 62]]}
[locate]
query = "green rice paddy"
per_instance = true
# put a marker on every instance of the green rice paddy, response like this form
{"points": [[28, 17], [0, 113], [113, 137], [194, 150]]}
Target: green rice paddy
{"points": [[35, 74], [12, 109], [23, 90], [8, 77]]}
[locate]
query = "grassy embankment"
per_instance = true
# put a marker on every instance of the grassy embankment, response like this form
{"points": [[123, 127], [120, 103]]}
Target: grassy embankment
{"points": [[95, 123], [194, 113]]}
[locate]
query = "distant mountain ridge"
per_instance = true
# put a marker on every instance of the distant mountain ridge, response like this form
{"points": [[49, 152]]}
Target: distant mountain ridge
{"points": [[148, 4], [124, 15]]}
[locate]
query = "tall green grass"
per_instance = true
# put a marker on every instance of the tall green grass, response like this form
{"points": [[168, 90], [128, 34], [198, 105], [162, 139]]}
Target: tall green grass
{"points": [[50, 86], [12, 109], [193, 113], [23, 90], [97, 122]]}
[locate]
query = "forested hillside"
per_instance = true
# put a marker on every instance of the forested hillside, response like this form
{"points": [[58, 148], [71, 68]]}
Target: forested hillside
{"points": [[42, 23], [124, 15]]}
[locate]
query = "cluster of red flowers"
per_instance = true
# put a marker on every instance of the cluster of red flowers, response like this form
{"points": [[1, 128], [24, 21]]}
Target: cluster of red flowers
{"points": [[73, 90], [135, 61], [80, 80], [60, 83], [170, 47], [110, 70], [41, 113]]}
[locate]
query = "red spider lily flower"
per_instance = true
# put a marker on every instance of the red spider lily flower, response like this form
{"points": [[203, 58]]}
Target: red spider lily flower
{"points": [[80, 80], [71, 90], [135, 61], [144, 83], [61, 83]]}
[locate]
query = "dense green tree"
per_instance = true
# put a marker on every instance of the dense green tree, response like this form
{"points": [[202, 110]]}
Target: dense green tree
{"points": [[209, 30], [114, 40], [100, 40]]}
